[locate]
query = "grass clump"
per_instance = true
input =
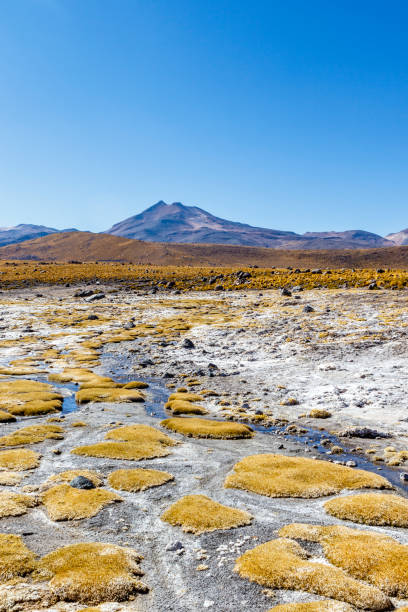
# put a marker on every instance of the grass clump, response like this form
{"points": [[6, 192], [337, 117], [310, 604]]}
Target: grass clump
{"points": [[94, 394], [184, 407], [9, 479], [371, 509], [19, 460], [136, 442], [184, 396], [317, 413], [283, 564], [199, 514], [368, 556], [205, 428], [6, 417], [16, 559], [314, 606], [138, 480], [32, 435], [15, 504], [64, 503], [28, 398], [280, 476], [91, 573]]}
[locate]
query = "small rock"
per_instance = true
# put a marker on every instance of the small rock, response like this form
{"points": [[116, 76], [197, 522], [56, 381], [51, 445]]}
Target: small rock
{"points": [[351, 463], [308, 308], [404, 476], [188, 344], [175, 546], [285, 292], [81, 482], [94, 297]]}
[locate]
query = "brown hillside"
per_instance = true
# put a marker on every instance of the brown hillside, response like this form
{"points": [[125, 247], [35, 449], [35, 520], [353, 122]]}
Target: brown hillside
{"points": [[86, 246]]}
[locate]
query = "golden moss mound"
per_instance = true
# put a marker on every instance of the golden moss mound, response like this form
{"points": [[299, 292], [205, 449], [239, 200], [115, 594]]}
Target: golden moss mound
{"points": [[6, 417], [371, 509], [19, 459], [319, 414], [365, 555], [15, 504], [314, 606], [182, 407], [185, 397], [198, 514], [10, 478], [136, 442], [32, 435], [111, 394], [91, 573], [15, 558], [138, 480], [283, 564], [205, 428], [280, 476], [28, 398], [64, 503]]}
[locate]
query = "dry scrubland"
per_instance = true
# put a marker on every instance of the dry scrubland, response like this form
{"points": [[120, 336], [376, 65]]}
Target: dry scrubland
{"points": [[164, 449]]}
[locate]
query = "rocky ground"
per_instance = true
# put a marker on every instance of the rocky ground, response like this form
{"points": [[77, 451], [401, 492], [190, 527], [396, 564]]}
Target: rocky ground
{"points": [[270, 359]]}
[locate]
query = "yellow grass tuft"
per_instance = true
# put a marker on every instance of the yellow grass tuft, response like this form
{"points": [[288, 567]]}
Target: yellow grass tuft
{"points": [[135, 384], [371, 509], [108, 395], [15, 504], [205, 428], [79, 424], [317, 413], [283, 564], [138, 480], [365, 555], [199, 514], [91, 573], [9, 479], [281, 476], [6, 417], [32, 435], [28, 398], [186, 397], [15, 558], [136, 442], [314, 606], [65, 503], [185, 407], [19, 459]]}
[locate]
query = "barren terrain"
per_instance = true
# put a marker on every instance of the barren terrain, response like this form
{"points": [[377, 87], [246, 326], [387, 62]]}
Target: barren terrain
{"points": [[316, 374]]}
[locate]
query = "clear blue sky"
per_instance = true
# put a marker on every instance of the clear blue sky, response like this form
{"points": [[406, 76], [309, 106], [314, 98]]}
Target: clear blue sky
{"points": [[290, 114]]}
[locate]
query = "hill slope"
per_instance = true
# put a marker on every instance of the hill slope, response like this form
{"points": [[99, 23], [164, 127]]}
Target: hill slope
{"points": [[189, 224], [400, 238], [85, 246]]}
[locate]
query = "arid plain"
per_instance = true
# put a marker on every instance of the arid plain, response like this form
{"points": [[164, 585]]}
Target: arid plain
{"points": [[181, 439]]}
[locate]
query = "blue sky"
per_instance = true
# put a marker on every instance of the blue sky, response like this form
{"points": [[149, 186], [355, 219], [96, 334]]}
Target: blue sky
{"points": [[288, 114]]}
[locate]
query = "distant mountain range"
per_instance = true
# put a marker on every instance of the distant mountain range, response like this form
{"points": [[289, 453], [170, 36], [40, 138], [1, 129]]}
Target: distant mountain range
{"points": [[178, 223], [22, 232]]}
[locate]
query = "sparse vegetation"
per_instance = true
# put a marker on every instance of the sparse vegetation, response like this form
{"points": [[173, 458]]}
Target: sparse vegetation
{"points": [[33, 434], [138, 480], [16, 559], [371, 509], [15, 504], [65, 503], [19, 459]]}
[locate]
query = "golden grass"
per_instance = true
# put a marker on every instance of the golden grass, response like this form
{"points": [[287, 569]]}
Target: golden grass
{"points": [[136, 442], [6, 417], [371, 509], [183, 407], [280, 476], [15, 558], [317, 413], [365, 555], [135, 384], [283, 564], [19, 459], [205, 428], [28, 398], [184, 396], [68, 475], [199, 514], [64, 503], [32, 435], [314, 606], [138, 480], [9, 479], [91, 573], [84, 396], [15, 504], [36, 407]]}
